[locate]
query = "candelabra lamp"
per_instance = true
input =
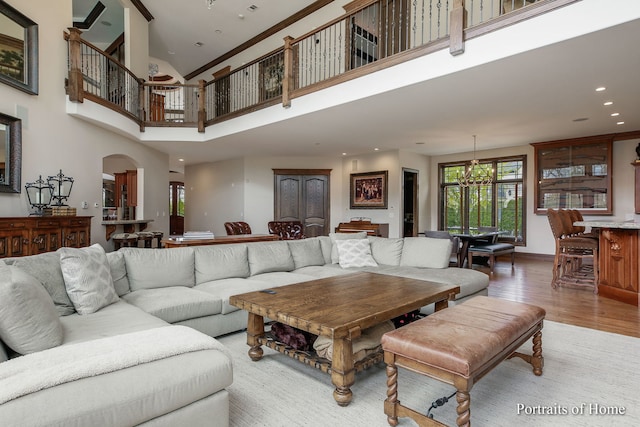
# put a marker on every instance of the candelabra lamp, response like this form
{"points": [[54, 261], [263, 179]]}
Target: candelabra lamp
{"points": [[61, 186], [39, 194]]}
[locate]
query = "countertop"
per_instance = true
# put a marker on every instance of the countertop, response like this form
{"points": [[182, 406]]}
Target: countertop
{"points": [[627, 225]]}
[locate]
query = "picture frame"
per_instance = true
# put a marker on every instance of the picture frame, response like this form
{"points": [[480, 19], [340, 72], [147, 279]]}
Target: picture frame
{"points": [[369, 190], [18, 50]]}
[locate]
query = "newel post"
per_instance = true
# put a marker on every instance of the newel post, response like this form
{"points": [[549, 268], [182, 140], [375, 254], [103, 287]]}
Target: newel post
{"points": [[287, 79], [142, 111], [456, 36], [202, 113], [74, 88]]}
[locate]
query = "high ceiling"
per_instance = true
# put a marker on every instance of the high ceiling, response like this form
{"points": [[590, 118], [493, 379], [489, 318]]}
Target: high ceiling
{"points": [[543, 94]]}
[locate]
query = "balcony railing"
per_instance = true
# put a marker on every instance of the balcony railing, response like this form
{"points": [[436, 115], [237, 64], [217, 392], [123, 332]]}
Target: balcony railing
{"points": [[374, 35]]}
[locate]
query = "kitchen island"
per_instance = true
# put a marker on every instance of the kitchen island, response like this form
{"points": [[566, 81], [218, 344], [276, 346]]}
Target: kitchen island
{"points": [[618, 257]]}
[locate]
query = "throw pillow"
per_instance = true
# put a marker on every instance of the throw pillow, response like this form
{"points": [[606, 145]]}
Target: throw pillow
{"points": [[426, 252], [343, 236], [28, 318], [355, 253], [87, 277], [118, 272], [306, 252]]}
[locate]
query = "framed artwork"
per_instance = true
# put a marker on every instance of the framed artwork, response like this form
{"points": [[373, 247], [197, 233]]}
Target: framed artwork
{"points": [[18, 50], [369, 190]]}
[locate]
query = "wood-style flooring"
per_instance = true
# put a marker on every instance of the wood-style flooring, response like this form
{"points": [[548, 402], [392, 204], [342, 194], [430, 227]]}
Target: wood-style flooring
{"points": [[530, 281]]}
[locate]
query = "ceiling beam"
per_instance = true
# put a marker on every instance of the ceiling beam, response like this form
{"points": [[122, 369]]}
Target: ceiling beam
{"points": [[91, 17]]}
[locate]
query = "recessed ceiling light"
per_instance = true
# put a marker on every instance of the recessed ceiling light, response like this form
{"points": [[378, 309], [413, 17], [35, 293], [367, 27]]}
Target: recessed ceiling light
{"points": [[581, 119], [252, 8], [608, 103], [240, 16], [170, 52], [600, 89], [620, 123], [198, 44], [376, 149], [615, 114], [344, 154], [218, 31], [181, 160]]}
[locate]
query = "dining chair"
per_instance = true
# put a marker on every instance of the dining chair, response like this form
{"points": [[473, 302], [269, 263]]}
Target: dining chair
{"points": [[491, 248], [237, 227]]}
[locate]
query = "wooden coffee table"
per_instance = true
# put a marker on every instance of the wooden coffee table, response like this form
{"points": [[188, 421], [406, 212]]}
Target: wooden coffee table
{"points": [[339, 307]]}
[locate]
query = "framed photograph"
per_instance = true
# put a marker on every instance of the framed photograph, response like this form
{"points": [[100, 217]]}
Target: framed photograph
{"points": [[369, 190]]}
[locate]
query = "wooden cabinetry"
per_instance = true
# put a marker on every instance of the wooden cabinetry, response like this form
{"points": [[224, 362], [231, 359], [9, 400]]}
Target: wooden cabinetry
{"points": [[574, 174], [126, 193], [618, 259], [22, 236]]}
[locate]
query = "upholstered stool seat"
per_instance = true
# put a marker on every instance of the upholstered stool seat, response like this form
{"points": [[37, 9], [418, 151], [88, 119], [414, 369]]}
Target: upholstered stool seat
{"points": [[146, 237], [124, 240], [458, 346]]}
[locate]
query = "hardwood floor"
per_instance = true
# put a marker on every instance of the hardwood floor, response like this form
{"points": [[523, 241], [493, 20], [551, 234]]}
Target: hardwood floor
{"points": [[529, 282]]}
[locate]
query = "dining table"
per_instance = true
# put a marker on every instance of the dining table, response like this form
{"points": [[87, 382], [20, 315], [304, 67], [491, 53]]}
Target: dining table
{"points": [[471, 237]]}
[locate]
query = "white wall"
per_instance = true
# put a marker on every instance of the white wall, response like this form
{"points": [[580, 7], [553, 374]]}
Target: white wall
{"points": [[54, 140], [243, 190]]}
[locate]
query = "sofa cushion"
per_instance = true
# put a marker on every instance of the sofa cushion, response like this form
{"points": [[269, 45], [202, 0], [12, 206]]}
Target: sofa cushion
{"points": [[326, 245], [221, 262], [270, 256], [3, 353], [118, 272], [281, 278], [87, 277], [343, 236], [175, 303], [386, 251], [28, 318], [355, 253], [306, 252], [224, 288], [46, 268], [426, 252], [158, 269]]}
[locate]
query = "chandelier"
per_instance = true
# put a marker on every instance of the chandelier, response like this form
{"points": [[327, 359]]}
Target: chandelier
{"points": [[473, 177]]}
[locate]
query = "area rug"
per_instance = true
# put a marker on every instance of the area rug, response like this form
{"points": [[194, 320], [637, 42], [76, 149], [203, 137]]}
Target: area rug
{"points": [[590, 378]]}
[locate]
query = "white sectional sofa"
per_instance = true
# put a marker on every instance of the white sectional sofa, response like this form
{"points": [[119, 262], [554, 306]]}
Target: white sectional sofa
{"points": [[156, 294]]}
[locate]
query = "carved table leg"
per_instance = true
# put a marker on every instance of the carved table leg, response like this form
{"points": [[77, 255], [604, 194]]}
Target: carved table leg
{"points": [[342, 370], [255, 330], [464, 413]]}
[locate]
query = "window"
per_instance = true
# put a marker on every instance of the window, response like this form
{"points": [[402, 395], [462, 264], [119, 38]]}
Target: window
{"points": [[499, 204], [176, 198]]}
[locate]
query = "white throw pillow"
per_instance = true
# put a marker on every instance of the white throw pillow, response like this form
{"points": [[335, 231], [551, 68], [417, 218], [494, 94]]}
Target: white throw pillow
{"points": [[355, 253], [87, 277], [28, 318], [426, 252], [343, 236]]}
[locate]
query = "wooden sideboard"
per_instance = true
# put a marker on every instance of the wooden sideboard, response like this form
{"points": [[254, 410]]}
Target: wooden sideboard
{"points": [[22, 236], [372, 229]]}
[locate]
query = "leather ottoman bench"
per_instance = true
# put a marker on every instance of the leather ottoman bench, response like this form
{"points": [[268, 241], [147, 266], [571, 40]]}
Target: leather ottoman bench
{"points": [[458, 346]]}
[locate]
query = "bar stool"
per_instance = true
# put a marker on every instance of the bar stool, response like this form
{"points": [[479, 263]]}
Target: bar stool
{"points": [[146, 237], [124, 240]]}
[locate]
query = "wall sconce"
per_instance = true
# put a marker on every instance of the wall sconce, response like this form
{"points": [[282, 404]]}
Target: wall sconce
{"points": [[61, 186], [39, 194]]}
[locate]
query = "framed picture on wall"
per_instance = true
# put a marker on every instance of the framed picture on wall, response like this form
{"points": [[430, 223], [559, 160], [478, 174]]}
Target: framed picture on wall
{"points": [[369, 190]]}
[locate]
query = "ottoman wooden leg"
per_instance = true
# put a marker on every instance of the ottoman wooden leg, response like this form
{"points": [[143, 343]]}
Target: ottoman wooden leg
{"points": [[392, 395], [537, 361], [464, 408]]}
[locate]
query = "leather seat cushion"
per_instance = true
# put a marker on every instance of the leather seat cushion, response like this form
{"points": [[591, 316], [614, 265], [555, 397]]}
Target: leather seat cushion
{"points": [[463, 338]]}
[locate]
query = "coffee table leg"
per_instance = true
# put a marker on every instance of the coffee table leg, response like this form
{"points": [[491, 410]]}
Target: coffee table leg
{"points": [[342, 370], [255, 329]]}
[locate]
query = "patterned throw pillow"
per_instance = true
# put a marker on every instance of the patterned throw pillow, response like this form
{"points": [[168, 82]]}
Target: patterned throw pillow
{"points": [[87, 277], [355, 253]]}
